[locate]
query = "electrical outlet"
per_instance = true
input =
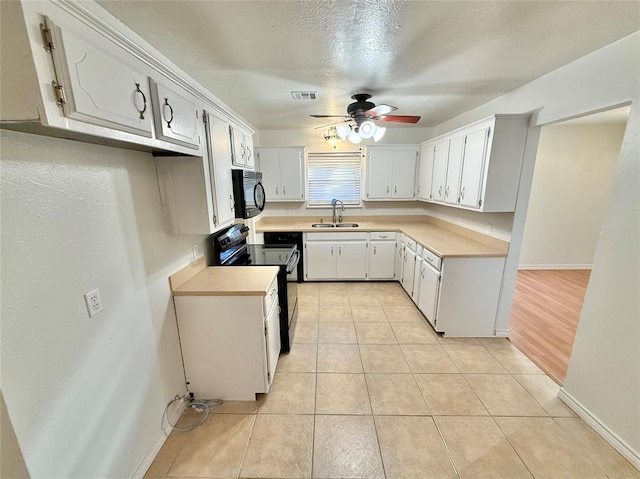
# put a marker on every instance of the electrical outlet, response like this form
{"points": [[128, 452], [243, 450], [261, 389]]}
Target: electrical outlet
{"points": [[195, 251], [94, 303]]}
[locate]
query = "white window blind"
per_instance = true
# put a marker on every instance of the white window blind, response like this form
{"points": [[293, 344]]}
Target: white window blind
{"points": [[333, 175]]}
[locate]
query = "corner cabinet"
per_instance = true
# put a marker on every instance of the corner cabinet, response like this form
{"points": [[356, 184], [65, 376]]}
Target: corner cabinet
{"points": [[391, 172], [242, 154], [227, 356], [282, 172], [476, 167], [196, 193]]}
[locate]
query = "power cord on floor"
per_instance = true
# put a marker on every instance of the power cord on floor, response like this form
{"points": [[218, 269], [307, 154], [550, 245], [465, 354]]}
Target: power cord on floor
{"points": [[202, 406]]}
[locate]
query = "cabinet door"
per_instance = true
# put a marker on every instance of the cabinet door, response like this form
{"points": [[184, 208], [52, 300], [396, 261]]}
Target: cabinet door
{"points": [[473, 168], [379, 172], [238, 148], [382, 259], [440, 158], [272, 341], [220, 164], [352, 260], [429, 287], [415, 292], [292, 174], [407, 270], [176, 116], [399, 259], [270, 166], [100, 87], [404, 174], [456, 150], [321, 260], [425, 172], [249, 160]]}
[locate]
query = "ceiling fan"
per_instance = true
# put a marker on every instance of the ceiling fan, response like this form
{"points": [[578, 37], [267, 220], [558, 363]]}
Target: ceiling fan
{"points": [[363, 110], [363, 113]]}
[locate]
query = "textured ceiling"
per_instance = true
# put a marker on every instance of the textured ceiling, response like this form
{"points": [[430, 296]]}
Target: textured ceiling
{"points": [[430, 58]]}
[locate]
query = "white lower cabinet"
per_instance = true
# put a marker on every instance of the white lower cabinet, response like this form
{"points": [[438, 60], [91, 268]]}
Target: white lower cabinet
{"points": [[429, 287], [409, 263], [399, 263], [382, 255], [335, 256], [229, 356]]}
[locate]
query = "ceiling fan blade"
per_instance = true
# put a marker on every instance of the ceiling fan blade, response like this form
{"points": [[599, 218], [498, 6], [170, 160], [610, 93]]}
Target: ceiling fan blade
{"points": [[380, 110], [399, 118], [328, 116], [331, 124]]}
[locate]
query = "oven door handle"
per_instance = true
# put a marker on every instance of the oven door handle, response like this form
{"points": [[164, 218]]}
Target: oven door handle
{"points": [[293, 263]]}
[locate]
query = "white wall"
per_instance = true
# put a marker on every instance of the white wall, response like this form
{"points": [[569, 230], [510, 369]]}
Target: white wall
{"points": [[570, 190], [603, 371], [86, 396]]}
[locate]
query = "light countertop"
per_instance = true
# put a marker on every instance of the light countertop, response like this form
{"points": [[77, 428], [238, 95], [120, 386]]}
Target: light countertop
{"points": [[442, 238], [229, 281]]}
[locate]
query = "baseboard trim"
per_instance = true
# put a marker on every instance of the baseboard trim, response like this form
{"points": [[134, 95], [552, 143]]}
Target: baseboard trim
{"points": [[618, 444], [553, 266], [153, 451], [502, 333]]}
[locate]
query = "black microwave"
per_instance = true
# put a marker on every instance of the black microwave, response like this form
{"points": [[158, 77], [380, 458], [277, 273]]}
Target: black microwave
{"points": [[248, 193]]}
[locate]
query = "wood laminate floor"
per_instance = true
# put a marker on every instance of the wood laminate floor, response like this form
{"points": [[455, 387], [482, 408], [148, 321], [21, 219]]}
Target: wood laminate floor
{"points": [[545, 315]]}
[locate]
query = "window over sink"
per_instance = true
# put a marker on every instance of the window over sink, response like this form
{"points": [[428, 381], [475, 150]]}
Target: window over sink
{"points": [[334, 175]]}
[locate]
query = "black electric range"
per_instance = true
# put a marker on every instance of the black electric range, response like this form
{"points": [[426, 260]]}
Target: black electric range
{"points": [[231, 249]]}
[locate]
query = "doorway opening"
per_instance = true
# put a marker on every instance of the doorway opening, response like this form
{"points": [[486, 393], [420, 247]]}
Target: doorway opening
{"points": [[574, 169]]}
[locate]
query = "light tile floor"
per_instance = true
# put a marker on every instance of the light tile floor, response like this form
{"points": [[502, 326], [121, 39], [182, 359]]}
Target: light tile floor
{"points": [[369, 390]]}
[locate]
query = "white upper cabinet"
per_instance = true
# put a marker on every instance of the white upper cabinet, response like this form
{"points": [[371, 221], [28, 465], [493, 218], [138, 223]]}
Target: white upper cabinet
{"points": [[478, 167], [196, 192], [84, 72], [282, 172], [99, 87], [391, 172], [440, 159], [242, 149], [425, 172], [454, 169], [176, 115], [219, 153]]}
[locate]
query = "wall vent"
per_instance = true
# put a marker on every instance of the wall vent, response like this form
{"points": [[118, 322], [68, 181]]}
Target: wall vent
{"points": [[303, 95]]}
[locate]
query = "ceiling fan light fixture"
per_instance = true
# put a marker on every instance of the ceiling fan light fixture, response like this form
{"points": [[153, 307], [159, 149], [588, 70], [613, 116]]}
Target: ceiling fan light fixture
{"points": [[332, 137], [354, 137], [343, 131], [379, 133], [367, 129]]}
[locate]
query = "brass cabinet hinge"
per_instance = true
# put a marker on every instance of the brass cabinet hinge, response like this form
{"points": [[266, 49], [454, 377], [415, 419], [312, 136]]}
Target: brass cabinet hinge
{"points": [[47, 38], [58, 92]]}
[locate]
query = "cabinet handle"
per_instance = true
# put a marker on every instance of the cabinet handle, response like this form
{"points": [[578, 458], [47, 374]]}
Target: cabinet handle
{"points": [[332, 251], [395, 190], [422, 273], [166, 103], [276, 190], [339, 250], [284, 190], [374, 249], [446, 192], [462, 193], [231, 202], [242, 152], [418, 189], [273, 291], [144, 101], [387, 190], [383, 236], [440, 191]]}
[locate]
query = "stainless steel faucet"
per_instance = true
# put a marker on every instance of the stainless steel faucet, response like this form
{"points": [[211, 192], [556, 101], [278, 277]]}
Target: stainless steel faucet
{"points": [[334, 202]]}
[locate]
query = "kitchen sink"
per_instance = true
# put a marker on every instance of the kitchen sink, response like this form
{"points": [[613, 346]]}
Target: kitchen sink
{"points": [[347, 225], [322, 225]]}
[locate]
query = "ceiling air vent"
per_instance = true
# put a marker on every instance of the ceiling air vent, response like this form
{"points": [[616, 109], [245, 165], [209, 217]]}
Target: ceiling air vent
{"points": [[303, 95]]}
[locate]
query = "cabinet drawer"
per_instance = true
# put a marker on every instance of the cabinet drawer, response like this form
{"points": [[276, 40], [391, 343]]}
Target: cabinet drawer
{"points": [[387, 235], [271, 296], [431, 258], [411, 244]]}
